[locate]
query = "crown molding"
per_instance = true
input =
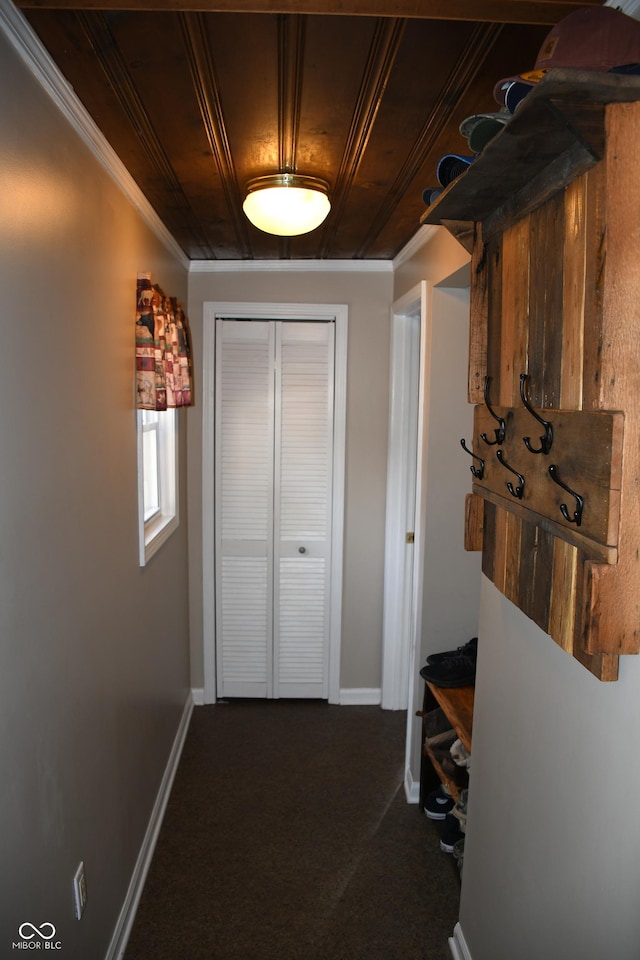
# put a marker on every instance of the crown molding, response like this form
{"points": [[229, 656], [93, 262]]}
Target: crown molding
{"points": [[27, 45], [291, 266], [418, 240]]}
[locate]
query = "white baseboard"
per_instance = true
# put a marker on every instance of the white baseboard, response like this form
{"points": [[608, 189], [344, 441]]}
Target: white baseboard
{"points": [[127, 914], [358, 696], [457, 945], [361, 696], [411, 788]]}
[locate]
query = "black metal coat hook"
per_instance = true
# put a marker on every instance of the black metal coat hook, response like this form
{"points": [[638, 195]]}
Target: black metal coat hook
{"points": [[547, 439], [564, 510], [514, 491], [502, 429], [478, 472]]}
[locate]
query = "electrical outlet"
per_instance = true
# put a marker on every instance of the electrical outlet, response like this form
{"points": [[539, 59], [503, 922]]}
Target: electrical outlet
{"points": [[79, 890]]}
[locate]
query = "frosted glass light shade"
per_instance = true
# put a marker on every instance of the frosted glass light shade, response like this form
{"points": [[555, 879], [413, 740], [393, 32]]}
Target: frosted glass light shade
{"points": [[286, 204]]}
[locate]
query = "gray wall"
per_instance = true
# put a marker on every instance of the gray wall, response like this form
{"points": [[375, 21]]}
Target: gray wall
{"points": [[368, 296], [551, 859], [94, 669]]}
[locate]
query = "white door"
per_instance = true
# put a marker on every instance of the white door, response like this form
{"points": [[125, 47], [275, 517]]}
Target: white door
{"points": [[403, 522], [273, 496]]}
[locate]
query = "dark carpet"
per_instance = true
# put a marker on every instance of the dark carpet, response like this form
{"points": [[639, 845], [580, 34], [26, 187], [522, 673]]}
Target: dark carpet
{"points": [[288, 837]]}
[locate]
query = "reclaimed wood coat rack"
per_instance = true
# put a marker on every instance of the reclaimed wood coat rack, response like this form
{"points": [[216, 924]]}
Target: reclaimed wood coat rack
{"points": [[550, 213]]}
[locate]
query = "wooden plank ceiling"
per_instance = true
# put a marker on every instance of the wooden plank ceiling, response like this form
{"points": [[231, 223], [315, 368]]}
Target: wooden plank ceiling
{"points": [[197, 98]]}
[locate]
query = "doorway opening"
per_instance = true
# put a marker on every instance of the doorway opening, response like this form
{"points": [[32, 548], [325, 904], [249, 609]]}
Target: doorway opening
{"points": [[432, 585]]}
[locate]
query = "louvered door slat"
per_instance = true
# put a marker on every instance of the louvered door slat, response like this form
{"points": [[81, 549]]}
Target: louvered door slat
{"points": [[244, 621], [304, 391], [302, 621], [244, 508]]}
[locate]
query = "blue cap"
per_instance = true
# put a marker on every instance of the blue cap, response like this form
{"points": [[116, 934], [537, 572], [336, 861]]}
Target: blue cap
{"points": [[451, 166]]}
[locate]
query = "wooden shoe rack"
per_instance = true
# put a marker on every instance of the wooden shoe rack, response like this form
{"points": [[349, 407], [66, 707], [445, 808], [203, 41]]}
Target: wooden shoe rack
{"points": [[457, 705]]}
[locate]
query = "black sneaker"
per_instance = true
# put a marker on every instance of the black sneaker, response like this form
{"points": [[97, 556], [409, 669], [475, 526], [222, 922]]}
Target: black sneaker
{"points": [[469, 648], [438, 804], [456, 670], [451, 833]]}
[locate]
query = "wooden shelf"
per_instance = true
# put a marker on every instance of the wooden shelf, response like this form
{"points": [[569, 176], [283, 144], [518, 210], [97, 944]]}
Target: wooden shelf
{"points": [[452, 788], [556, 134], [457, 704]]}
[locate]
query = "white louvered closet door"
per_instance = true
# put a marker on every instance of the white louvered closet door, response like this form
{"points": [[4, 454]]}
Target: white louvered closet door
{"points": [[274, 443]]}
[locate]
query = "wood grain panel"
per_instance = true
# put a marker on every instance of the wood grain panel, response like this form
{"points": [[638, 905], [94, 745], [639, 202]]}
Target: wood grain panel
{"points": [[457, 704], [574, 294], [497, 11], [462, 73], [291, 33], [489, 541], [570, 320], [494, 313], [196, 102], [605, 665], [501, 548], [553, 301], [473, 522], [478, 318], [595, 263], [512, 554], [543, 574], [526, 568], [564, 579], [545, 302], [614, 601], [380, 62], [208, 97], [515, 309]]}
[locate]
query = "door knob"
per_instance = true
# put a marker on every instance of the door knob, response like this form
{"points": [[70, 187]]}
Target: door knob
{"points": [[302, 549]]}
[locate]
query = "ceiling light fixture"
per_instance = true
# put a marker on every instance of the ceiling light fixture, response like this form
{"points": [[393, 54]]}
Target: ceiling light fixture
{"points": [[286, 204]]}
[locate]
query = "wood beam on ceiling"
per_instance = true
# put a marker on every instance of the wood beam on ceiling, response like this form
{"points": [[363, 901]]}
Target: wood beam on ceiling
{"points": [[207, 92], [291, 37], [117, 73], [291, 32], [479, 11], [382, 57], [466, 69]]}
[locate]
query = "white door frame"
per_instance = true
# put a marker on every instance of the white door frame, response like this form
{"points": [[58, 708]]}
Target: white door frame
{"points": [[404, 564], [273, 311], [408, 450]]}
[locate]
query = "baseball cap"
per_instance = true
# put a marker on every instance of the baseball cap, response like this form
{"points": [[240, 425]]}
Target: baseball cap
{"points": [[590, 38], [451, 166], [482, 127], [430, 194]]}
